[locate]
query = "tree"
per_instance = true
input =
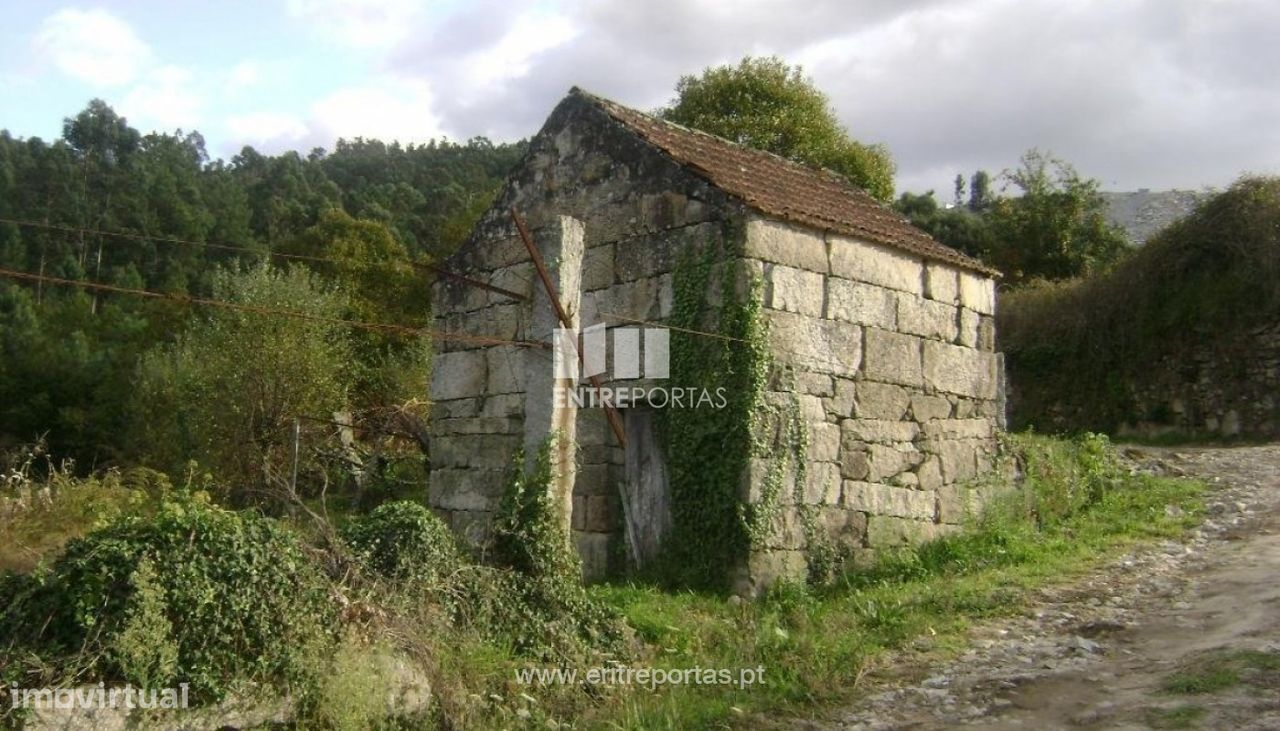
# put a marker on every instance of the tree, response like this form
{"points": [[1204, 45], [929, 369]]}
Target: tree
{"points": [[1056, 228], [959, 228], [372, 268], [228, 391], [980, 191], [767, 104]]}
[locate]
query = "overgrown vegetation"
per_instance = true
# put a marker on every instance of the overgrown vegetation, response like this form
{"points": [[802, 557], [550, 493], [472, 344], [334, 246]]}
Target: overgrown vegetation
{"points": [[1200, 283], [155, 599], [557, 620], [404, 543], [708, 450], [194, 594]]}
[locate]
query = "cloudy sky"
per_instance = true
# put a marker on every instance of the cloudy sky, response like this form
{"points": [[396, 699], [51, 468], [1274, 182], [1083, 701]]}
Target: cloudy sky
{"points": [[1137, 93]]}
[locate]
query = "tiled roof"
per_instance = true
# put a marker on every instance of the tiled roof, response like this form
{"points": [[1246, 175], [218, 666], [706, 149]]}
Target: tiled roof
{"points": [[784, 189]]}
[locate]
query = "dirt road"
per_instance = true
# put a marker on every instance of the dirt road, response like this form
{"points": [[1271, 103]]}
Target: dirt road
{"points": [[1180, 635]]}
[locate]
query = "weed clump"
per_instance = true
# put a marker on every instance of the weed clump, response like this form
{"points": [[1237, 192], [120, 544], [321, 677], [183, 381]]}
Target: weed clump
{"points": [[405, 543], [536, 599], [194, 594]]}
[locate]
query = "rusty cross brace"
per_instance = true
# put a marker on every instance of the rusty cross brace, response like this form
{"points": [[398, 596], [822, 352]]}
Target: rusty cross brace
{"points": [[615, 422]]}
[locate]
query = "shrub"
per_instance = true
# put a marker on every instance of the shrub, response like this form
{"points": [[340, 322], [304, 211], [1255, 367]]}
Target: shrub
{"points": [[227, 391], [536, 601], [193, 594], [405, 543], [529, 535], [1074, 348]]}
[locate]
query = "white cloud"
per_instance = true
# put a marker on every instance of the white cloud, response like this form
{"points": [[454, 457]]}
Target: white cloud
{"points": [[510, 57], [166, 99], [386, 110], [359, 23], [269, 130], [390, 110], [93, 46], [243, 76]]}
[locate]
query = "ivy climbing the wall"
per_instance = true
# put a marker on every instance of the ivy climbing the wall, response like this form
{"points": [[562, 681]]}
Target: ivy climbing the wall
{"points": [[529, 534], [759, 435], [709, 450], [540, 605]]}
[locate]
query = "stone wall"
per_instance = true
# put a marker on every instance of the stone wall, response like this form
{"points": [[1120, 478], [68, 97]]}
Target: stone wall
{"points": [[1226, 386], [899, 386], [638, 210], [893, 357]]}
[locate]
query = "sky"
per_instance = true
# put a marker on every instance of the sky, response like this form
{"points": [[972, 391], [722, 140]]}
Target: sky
{"points": [[1136, 93]]}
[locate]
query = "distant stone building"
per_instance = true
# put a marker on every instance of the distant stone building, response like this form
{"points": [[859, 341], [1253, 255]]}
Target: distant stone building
{"points": [[889, 337]]}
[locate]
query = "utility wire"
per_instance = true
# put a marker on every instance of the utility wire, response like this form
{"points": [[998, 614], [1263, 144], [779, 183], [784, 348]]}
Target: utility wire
{"points": [[256, 252], [441, 335], [458, 337]]}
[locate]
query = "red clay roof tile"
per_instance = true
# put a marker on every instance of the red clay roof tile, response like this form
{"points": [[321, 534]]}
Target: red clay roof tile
{"points": [[784, 189]]}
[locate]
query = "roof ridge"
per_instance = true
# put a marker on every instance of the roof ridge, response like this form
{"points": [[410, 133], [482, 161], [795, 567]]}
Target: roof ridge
{"points": [[793, 191], [805, 167]]}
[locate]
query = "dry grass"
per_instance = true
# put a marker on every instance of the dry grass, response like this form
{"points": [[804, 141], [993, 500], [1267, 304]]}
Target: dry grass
{"points": [[43, 504]]}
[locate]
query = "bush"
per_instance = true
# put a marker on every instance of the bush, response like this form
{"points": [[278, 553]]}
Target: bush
{"points": [[227, 392], [537, 601], [1074, 348], [405, 543], [194, 594]]}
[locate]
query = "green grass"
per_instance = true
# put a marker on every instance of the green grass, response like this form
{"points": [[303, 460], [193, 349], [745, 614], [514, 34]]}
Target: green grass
{"points": [[39, 517], [1224, 669], [1181, 717], [816, 644]]}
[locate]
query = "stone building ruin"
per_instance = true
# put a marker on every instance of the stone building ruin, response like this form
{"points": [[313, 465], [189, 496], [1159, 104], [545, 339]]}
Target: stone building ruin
{"points": [[887, 337]]}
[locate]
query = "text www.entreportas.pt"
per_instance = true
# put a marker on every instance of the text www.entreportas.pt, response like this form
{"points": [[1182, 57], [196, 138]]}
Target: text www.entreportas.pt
{"points": [[643, 676]]}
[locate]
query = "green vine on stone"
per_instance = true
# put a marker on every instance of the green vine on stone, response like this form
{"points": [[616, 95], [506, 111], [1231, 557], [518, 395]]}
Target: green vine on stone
{"points": [[709, 450], [716, 522], [529, 534]]}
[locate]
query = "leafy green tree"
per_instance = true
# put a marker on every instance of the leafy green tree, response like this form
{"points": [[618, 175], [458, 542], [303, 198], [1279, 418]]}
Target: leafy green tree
{"points": [[980, 191], [768, 104], [956, 227], [228, 391], [1055, 228], [366, 261], [372, 268]]}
